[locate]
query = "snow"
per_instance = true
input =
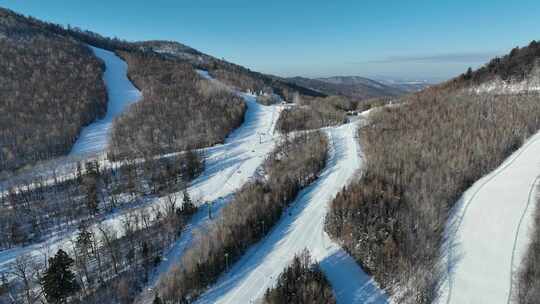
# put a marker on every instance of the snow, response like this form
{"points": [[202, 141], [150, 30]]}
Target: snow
{"points": [[204, 74], [302, 226], [531, 84], [489, 230], [121, 93], [228, 167]]}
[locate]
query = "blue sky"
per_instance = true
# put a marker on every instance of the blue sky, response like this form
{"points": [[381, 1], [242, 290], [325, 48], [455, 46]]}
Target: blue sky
{"points": [[401, 39]]}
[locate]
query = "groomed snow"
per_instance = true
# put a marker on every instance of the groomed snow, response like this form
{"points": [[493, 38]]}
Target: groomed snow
{"points": [[489, 230], [302, 226], [121, 93]]}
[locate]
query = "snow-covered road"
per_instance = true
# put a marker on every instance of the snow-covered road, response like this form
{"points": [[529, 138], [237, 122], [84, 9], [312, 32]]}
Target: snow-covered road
{"points": [[302, 226], [121, 93], [488, 232]]}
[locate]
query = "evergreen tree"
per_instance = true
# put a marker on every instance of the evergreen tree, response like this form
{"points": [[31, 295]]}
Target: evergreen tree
{"points": [[79, 172], [187, 207], [4, 284], [468, 74], [90, 186], [157, 300], [59, 282]]}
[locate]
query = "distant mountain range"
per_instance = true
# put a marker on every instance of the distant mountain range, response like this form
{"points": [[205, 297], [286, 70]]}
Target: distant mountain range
{"points": [[357, 87]]}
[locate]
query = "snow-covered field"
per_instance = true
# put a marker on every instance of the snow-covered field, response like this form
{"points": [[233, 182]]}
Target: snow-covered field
{"points": [[489, 230], [120, 92], [302, 226]]}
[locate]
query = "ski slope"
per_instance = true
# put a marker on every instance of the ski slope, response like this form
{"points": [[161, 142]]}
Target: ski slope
{"points": [[227, 167], [121, 93], [93, 138], [302, 226], [488, 231]]}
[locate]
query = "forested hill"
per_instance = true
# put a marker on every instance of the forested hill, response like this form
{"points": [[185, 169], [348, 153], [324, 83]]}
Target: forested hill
{"points": [[50, 87], [52, 83], [224, 70], [230, 73], [519, 68]]}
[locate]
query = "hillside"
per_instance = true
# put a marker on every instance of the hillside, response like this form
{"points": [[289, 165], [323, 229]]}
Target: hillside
{"points": [[516, 72], [67, 91], [227, 72], [421, 157], [50, 87]]}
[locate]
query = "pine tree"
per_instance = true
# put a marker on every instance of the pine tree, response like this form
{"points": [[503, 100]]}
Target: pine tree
{"points": [[468, 74], [4, 284], [187, 207], [157, 300], [90, 186], [79, 172], [59, 281]]}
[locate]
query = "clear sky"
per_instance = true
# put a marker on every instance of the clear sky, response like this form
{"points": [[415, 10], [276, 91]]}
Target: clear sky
{"points": [[433, 39]]}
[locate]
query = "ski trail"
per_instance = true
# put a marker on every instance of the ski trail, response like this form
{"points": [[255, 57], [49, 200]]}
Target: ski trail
{"points": [[121, 92], [302, 226], [488, 231], [93, 139], [228, 166]]}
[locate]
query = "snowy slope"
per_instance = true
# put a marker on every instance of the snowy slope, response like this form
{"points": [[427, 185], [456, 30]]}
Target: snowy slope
{"points": [[228, 167], [93, 138], [120, 92], [488, 231], [302, 226]]}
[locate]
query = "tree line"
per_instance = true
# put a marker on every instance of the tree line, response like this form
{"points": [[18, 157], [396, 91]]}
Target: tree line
{"points": [[527, 280], [255, 208], [516, 66], [421, 156], [302, 282], [314, 113], [30, 214]]}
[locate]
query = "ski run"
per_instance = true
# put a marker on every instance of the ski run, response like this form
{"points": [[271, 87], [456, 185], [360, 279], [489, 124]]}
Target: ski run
{"points": [[121, 93], [302, 226], [228, 167], [489, 231], [487, 234]]}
